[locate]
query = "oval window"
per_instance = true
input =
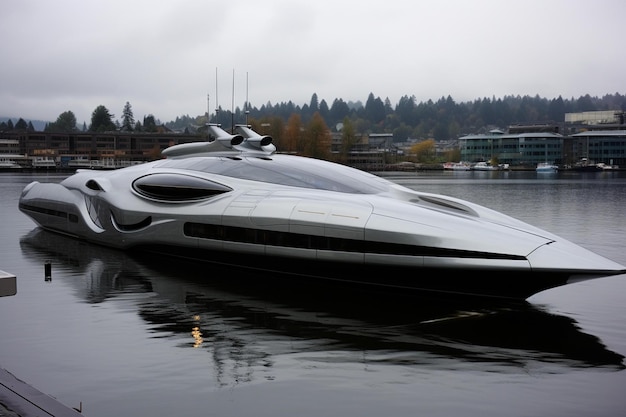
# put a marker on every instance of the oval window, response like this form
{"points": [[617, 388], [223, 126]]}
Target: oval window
{"points": [[174, 187]]}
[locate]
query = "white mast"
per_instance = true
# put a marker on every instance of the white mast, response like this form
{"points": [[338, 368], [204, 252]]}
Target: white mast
{"points": [[217, 107], [247, 106], [232, 107]]}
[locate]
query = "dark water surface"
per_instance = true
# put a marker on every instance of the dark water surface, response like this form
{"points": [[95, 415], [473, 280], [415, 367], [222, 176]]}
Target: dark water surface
{"points": [[150, 337]]}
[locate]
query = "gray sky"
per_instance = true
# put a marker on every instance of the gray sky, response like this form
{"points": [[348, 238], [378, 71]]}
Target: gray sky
{"points": [[162, 56]]}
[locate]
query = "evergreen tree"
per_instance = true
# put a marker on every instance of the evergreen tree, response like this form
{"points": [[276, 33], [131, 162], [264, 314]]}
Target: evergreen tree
{"points": [[21, 124], [66, 122], [339, 110], [374, 109], [405, 109], [556, 110], [149, 123], [314, 106], [324, 111], [585, 103], [402, 133], [128, 120], [101, 120]]}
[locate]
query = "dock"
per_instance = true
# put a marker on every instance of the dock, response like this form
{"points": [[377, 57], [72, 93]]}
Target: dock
{"points": [[19, 399]]}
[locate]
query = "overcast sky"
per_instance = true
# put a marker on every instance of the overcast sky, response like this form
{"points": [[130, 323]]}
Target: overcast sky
{"points": [[163, 56]]}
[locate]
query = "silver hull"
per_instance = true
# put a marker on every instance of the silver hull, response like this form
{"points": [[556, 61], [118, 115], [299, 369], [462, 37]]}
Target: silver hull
{"points": [[369, 232]]}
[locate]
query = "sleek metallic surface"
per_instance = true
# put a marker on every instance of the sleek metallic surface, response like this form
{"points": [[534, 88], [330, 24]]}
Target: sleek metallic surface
{"points": [[235, 196]]}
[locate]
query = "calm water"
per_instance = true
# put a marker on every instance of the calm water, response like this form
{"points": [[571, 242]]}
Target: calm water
{"points": [[147, 337]]}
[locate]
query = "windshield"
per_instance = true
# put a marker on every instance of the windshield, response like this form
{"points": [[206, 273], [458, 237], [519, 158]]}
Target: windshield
{"points": [[288, 170]]}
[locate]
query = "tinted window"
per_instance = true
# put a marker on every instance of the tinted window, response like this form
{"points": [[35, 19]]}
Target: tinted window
{"points": [[286, 170]]}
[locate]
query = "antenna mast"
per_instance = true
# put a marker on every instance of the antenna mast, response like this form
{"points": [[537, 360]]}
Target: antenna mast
{"points": [[217, 107], [208, 117], [232, 107], [247, 107]]}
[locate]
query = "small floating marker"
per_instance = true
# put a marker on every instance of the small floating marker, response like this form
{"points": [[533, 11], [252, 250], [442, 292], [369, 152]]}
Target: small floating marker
{"points": [[48, 271]]}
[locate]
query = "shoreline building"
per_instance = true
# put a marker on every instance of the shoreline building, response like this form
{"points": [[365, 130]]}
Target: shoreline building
{"points": [[598, 137], [525, 149]]}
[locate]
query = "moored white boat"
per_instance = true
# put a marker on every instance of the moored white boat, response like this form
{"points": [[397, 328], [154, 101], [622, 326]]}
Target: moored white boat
{"points": [[484, 166], [43, 162], [8, 164], [457, 166], [585, 165], [79, 162], [546, 167], [606, 167]]}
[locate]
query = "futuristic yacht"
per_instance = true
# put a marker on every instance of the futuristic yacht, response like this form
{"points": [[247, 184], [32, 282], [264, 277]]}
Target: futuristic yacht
{"points": [[235, 201]]}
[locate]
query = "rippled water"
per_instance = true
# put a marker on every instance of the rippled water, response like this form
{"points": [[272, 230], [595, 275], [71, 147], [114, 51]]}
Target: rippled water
{"points": [[128, 336]]}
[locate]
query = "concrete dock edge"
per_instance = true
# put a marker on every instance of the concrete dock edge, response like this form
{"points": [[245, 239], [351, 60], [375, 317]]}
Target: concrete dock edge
{"points": [[19, 399]]}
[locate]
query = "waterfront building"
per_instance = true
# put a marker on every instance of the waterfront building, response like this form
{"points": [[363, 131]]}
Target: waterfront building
{"points": [[10, 147], [525, 149], [597, 137], [597, 118], [97, 147], [370, 152], [600, 146], [10, 153]]}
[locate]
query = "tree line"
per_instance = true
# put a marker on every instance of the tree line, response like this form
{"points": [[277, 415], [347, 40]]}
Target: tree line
{"points": [[101, 121], [443, 119]]}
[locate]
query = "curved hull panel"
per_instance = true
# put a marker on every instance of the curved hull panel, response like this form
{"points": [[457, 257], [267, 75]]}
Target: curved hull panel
{"points": [[309, 218]]}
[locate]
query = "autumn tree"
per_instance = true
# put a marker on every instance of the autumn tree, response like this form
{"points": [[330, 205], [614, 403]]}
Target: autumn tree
{"points": [[348, 140], [293, 133], [101, 120], [424, 151], [453, 155], [155, 152], [317, 138], [272, 126]]}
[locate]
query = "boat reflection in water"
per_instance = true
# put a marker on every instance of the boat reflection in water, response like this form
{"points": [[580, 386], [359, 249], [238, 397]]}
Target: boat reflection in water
{"points": [[246, 322]]}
